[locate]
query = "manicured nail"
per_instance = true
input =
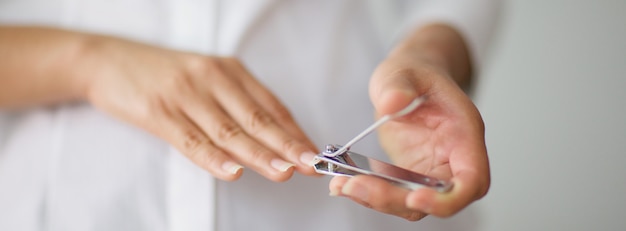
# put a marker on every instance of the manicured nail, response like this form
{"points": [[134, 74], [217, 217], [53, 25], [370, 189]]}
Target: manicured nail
{"points": [[281, 165], [232, 167], [307, 158], [334, 192], [355, 190]]}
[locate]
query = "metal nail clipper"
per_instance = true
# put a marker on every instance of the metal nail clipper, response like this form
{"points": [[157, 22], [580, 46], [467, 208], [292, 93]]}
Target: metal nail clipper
{"points": [[338, 160]]}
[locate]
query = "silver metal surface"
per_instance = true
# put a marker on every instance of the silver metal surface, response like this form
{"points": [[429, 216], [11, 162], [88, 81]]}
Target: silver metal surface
{"points": [[351, 164]]}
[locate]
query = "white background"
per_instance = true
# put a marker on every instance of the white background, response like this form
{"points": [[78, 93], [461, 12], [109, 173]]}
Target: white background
{"points": [[553, 97]]}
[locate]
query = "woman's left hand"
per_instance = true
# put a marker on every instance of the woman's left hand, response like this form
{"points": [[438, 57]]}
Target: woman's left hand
{"points": [[443, 138]]}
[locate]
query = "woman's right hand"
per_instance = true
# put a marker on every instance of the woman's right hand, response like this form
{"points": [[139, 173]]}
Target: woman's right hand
{"points": [[210, 108]]}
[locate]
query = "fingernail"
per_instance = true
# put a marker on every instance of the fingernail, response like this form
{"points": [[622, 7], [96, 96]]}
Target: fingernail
{"points": [[355, 190], [231, 167], [421, 204], [426, 206], [334, 192], [307, 158], [281, 165], [406, 87]]}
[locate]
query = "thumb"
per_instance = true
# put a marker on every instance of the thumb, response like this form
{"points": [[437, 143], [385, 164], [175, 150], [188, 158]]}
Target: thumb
{"points": [[391, 93]]}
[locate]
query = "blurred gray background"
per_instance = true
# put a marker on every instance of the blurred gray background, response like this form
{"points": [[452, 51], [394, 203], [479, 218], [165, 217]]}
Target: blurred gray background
{"points": [[553, 97]]}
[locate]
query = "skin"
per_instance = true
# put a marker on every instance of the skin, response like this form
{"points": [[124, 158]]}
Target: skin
{"points": [[210, 108], [218, 115], [443, 138]]}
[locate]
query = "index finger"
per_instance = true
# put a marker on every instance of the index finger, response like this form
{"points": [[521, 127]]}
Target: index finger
{"points": [[375, 193]]}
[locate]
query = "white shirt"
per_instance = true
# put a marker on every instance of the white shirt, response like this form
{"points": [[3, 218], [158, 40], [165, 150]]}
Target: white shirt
{"points": [[72, 167]]}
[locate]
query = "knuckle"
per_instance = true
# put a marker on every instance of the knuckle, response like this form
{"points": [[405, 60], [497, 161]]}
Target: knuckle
{"points": [[258, 120], [227, 131], [384, 206], [154, 114], [399, 73], [258, 154], [151, 107], [281, 113], [193, 143], [290, 145], [201, 64], [206, 67], [210, 159], [200, 151], [154, 106], [414, 216]]}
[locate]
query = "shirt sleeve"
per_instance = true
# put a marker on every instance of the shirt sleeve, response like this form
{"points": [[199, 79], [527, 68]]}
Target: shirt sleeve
{"points": [[475, 20]]}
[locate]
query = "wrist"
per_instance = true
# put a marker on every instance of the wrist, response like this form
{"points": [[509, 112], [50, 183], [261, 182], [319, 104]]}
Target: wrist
{"points": [[438, 46], [97, 60], [83, 65]]}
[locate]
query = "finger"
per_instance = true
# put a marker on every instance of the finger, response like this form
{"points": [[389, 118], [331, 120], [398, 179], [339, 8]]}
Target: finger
{"points": [[193, 143], [391, 92], [268, 101], [466, 189], [229, 136], [336, 184], [258, 123], [470, 175], [271, 104], [380, 195]]}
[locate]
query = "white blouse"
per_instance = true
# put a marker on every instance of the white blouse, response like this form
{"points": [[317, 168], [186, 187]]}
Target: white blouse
{"points": [[71, 167]]}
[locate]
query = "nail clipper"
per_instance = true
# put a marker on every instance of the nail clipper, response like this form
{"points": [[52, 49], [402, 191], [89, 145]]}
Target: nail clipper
{"points": [[338, 160]]}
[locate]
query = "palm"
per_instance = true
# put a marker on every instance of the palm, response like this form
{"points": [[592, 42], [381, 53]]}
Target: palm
{"points": [[443, 138], [423, 141]]}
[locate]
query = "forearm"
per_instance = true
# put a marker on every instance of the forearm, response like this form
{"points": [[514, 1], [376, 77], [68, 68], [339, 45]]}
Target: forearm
{"points": [[441, 46], [39, 66]]}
